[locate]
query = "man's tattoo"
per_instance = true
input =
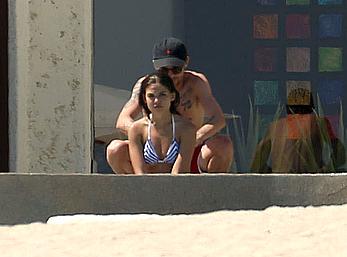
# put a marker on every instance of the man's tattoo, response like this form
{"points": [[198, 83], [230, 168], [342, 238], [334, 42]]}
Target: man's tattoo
{"points": [[186, 99], [186, 104], [134, 97], [208, 119]]}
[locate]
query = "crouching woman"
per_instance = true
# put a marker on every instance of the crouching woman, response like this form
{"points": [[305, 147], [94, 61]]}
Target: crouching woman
{"points": [[162, 141]]}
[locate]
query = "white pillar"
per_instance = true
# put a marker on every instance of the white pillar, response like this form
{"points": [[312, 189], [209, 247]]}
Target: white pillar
{"points": [[50, 87]]}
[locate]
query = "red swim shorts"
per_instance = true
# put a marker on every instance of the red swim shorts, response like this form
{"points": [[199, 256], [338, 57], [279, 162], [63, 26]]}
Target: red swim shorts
{"points": [[194, 163]]}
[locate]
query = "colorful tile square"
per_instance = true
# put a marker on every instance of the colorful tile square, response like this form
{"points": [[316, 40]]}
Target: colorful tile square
{"points": [[298, 92], [330, 59], [267, 2], [266, 92], [297, 2], [329, 2], [265, 26], [298, 59], [330, 25], [265, 59], [298, 26], [330, 91]]}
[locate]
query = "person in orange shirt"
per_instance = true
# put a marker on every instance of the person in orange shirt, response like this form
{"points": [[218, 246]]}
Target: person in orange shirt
{"points": [[294, 144]]}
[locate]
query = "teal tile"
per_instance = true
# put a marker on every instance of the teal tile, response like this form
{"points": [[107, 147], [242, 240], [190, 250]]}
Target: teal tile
{"points": [[330, 2], [297, 2], [266, 92]]}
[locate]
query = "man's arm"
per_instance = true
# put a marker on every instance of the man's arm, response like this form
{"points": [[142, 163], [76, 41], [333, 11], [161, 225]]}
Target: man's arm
{"points": [[130, 110], [214, 119]]}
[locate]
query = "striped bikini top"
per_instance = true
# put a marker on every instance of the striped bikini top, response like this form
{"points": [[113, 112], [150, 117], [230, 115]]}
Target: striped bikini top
{"points": [[151, 156]]}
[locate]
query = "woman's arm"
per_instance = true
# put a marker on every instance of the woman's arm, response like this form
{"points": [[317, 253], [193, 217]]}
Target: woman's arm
{"points": [[187, 144], [136, 148]]}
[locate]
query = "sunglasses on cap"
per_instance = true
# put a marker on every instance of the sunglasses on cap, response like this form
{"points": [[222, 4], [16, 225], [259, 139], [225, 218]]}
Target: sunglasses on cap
{"points": [[174, 70]]}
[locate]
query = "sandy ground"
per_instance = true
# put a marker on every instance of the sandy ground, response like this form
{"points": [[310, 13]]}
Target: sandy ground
{"points": [[310, 231]]}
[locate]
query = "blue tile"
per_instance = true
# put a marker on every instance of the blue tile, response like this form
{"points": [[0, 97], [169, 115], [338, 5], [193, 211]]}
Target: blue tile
{"points": [[330, 91], [330, 25]]}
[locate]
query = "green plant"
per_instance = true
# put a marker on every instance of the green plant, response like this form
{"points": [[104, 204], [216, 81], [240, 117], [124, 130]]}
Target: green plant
{"points": [[334, 154], [246, 143]]}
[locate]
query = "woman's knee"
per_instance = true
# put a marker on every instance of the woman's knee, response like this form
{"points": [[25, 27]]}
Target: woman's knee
{"points": [[117, 148]]}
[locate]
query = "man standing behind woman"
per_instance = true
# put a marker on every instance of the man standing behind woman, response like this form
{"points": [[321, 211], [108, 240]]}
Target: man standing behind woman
{"points": [[213, 152], [162, 141]]}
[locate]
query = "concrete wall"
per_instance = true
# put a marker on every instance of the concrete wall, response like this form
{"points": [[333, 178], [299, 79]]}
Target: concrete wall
{"points": [[27, 198], [50, 98], [219, 37], [125, 32], [212, 30]]}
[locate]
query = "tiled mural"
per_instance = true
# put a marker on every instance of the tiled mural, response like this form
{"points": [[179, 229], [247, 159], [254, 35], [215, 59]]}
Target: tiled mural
{"points": [[299, 47]]}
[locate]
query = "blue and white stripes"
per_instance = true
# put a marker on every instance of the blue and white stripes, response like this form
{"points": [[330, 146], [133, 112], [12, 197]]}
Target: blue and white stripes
{"points": [[151, 156]]}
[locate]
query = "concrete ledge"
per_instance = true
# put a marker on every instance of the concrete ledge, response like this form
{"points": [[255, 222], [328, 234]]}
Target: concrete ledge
{"points": [[26, 198]]}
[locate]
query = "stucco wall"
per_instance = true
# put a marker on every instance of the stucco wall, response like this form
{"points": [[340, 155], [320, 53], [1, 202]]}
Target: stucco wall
{"points": [[50, 85]]}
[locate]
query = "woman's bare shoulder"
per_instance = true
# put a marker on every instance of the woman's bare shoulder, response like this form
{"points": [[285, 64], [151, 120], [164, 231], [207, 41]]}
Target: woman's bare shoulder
{"points": [[139, 125]]}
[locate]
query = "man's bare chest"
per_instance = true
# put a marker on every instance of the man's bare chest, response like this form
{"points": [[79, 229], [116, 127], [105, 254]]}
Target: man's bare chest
{"points": [[188, 100]]}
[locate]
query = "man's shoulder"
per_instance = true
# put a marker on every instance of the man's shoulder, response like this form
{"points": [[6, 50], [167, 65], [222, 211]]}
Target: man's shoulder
{"points": [[196, 79], [194, 75]]}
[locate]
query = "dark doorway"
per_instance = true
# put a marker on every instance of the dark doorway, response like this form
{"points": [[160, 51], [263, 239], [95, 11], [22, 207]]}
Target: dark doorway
{"points": [[4, 140]]}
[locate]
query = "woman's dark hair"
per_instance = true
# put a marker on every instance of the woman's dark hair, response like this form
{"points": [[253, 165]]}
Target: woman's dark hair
{"points": [[166, 81]]}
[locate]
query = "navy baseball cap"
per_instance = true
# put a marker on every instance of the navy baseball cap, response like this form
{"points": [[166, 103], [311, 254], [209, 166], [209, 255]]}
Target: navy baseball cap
{"points": [[169, 52]]}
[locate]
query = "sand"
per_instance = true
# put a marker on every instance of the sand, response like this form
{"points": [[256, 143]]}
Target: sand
{"points": [[276, 231]]}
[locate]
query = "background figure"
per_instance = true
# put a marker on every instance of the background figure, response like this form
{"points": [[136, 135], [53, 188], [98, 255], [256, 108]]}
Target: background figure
{"points": [[213, 152], [297, 144], [161, 141]]}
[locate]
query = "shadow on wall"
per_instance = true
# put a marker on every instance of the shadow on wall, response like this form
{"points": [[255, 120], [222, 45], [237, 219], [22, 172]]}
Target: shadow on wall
{"points": [[108, 102]]}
